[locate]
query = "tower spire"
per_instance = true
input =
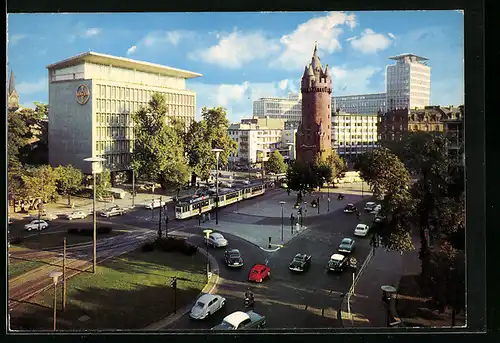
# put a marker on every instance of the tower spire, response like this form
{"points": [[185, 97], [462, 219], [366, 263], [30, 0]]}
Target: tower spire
{"points": [[12, 84]]}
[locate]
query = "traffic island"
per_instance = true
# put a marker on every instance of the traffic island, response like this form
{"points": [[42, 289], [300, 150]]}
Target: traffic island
{"points": [[128, 292]]}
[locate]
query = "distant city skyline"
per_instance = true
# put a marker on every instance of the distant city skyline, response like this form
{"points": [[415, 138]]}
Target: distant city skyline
{"points": [[246, 56]]}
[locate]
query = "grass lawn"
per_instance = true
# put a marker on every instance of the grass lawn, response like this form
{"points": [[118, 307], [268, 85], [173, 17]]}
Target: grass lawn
{"points": [[18, 267], [129, 292], [49, 240]]}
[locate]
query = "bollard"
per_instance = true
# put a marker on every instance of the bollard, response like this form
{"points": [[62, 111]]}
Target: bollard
{"points": [[269, 242]]}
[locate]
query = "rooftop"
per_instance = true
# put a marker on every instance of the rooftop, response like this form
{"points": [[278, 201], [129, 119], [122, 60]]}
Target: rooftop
{"points": [[122, 62], [400, 57]]}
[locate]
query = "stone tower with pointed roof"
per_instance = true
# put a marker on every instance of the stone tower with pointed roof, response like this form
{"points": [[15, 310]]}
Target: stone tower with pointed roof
{"points": [[314, 133], [13, 96]]}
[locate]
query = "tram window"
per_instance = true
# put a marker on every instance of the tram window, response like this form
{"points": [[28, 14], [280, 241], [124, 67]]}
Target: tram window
{"points": [[231, 196], [178, 209]]}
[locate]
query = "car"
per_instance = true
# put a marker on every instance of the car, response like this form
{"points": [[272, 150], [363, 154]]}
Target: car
{"points": [[350, 208], [246, 181], [113, 211], [154, 204], [284, 185], [380, 218], [346, 245], [77, 215], [233, 258], [337, 263], [361, 230], [216, 240], [36, 225], [259, 272], [10, 221], [225, 184], [300, 262], [206, 305], [370, 206], [240, 320]]}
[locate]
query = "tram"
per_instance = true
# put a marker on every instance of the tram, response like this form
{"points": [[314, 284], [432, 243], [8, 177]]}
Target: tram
{"points": [[197, 204]]}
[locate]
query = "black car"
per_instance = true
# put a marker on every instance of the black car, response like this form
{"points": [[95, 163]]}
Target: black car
{"points": [[350, 208], [337, 263], [233, 258], [300, 263], [380, 218], [346, 246]]}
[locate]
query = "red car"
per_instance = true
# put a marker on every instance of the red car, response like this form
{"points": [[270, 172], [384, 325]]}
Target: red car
{"points": [[259, 272]]}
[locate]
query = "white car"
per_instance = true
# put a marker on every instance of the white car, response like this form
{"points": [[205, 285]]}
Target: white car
{"points": [[226, 184], [113, 211], [77, 215], [370, 206], [206, 305], [246, 181], [36, 225], [361, 230], [216, 240], [376, 209], [155, 204]]}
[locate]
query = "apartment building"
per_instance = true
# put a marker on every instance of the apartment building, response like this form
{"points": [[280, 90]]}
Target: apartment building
{"points": [[354, 133], [92, 97], [408, 82]]}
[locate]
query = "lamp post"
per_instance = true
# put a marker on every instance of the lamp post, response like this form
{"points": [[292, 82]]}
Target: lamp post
{"points": [[282, 203], [207, 233], [217, 153], [328, 188], [96, 169], [133, 188], [55, 277]]}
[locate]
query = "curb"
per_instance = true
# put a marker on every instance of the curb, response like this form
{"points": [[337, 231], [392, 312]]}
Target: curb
{"points": [[209, 288]]}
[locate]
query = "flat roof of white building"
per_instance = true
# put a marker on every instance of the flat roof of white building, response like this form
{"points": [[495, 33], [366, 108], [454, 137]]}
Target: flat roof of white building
{"points": [[399, 57], [127, 63]]}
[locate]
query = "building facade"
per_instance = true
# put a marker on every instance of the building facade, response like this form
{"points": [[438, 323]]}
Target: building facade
{"points": [[354, 133], [281, 108], [454, 132], [314, 133], [12, 95], [92, 97], [360, 104], [408, 82]]}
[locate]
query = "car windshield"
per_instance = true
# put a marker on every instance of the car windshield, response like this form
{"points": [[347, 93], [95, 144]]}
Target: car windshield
{"points": [[300, 258], [255, 271], [200, 304], [234, 255], [346, 241]]}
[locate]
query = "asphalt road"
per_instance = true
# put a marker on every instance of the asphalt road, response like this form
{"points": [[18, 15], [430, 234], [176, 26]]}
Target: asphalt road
{"points": [[289, 300]]}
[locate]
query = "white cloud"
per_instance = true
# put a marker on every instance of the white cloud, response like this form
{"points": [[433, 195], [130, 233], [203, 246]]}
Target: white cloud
{"points": [[157, 39], [351, 38], [236, 49], [298, 45], [91, 32], [32, 87], [354, 81], [131, 50], [16, 38], [238, 98], [370, 42], [390, 34]]}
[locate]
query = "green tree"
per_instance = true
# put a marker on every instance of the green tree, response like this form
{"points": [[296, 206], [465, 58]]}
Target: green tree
{"points": [[211, 132], [337, 165], [389, 180], [276, 163], [301, 178], [159, 150], [69, 180], [103, 183], [39, 183], [324, 170]]}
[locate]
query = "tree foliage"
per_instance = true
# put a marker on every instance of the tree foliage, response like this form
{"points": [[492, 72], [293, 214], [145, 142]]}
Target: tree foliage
{"points": [[103, 183], [301, 178], [39, 182], [69, 180], [276, 163], [159, 150], [390, 181], [202, 137]]}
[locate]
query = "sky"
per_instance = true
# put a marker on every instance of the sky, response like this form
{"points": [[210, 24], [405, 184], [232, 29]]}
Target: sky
{"points": [[245, 56]]}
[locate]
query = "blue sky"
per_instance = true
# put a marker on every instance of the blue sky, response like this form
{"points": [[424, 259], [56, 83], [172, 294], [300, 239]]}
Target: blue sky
{"points": [[244, 56]]}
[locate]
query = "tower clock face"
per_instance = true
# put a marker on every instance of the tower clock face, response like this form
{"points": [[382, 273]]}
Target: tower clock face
{"points": [[82, 94]]}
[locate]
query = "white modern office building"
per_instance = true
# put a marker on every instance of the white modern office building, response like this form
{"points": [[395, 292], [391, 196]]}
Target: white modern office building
{"points": [[408, 82], [92, 97], [283, 108], [360, 104], [354, 133]]}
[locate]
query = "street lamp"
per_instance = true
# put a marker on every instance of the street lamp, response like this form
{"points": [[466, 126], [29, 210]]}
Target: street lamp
{"points": [[328, 188], [282, 203], [55, 277], [217, 153], [207, 233], [96, 169], [133, 188]]}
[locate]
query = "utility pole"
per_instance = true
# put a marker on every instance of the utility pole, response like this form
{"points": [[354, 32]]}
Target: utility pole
{"points": [[159, 221], [64, 277], [173, 283], [133, 188], [166, 225], [152, 209]]}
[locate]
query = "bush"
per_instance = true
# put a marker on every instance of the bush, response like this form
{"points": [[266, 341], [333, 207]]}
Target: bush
{"points": [[17, 240], [147, 247], [189, 249], [171, 244]]}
